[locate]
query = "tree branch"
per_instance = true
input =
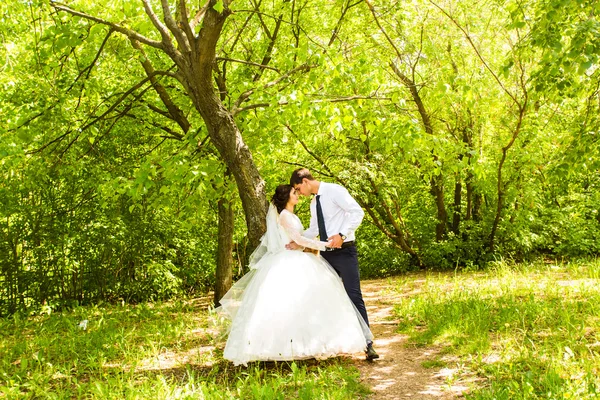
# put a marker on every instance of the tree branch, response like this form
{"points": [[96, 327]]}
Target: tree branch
{"points": [[468, 37], [267, 57], [89, 68], [199, 15], [162, 29], [262, 22], [320, 172], [409, 83], [284, 103], [185, 23], [117, 28], [244, 25], [176, 114], [347, 6], [172, 134], [180, 36], [244, 96], [247, 63], [168, 46], [58, 139]]}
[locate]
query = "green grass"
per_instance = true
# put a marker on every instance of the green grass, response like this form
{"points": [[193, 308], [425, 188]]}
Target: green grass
{"points": [[161, 350], [531, 331], [434, 364]]}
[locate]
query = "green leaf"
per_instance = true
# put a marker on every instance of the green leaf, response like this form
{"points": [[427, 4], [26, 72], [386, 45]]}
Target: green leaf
{"points": [[219, 6], [584, 66]]}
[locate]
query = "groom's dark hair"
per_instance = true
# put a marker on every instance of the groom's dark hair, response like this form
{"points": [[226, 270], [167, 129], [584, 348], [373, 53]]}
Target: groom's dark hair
{"points": [[300, 174]]}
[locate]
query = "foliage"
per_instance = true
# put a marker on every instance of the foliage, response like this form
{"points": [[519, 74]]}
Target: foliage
{"points": [[467, 132]]}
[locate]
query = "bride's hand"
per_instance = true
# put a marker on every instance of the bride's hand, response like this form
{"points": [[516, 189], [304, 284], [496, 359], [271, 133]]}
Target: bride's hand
{"points": [[292, 246], [336, 241]]}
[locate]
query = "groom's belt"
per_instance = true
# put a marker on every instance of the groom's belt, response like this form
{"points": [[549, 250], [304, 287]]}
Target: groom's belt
{"points": [[344, 245]]}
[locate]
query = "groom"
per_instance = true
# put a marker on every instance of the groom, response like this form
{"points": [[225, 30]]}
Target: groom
{"points": [[335, 215]]}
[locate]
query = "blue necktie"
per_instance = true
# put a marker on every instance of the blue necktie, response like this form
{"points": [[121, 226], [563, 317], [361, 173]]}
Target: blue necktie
{"points": [[321, 221]]}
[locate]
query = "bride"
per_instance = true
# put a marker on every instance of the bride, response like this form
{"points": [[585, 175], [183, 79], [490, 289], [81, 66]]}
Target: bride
{"points": [[292, 304]]}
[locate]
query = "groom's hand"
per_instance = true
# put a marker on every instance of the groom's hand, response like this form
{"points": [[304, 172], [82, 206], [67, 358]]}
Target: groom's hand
{"points": [[336, 241], [292, 246]]}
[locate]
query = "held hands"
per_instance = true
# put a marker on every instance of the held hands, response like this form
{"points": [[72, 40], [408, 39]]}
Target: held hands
{"points": [[309, 250], [292, 246], [296, 246], [335, 241]]}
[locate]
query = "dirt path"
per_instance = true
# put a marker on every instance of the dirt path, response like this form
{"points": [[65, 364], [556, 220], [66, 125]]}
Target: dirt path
{"points": [[399, 372]]}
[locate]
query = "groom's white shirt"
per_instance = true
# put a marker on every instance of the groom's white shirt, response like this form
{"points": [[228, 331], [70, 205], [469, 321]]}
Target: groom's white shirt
{"points": [[341, 212]]}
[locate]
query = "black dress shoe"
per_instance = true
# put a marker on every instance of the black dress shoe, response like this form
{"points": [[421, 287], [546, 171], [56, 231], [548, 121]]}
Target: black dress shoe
{"points": [[371, 353]]}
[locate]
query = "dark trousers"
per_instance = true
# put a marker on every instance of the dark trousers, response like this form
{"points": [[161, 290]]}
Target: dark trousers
{"points": [[345, 263]]}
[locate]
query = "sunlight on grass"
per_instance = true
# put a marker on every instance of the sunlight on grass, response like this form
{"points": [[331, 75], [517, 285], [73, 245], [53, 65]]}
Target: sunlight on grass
{"points": [[532, 331], [148, 351]]}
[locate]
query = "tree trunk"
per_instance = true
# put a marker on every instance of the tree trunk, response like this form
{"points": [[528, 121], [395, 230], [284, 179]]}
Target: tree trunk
{"points": [[457, 201], [477, 201], [437, 182], [235, 154], [224, 272], [222, 129], [194, 54], [437, 189], [499, 207], [500, 184], [468, 215]]}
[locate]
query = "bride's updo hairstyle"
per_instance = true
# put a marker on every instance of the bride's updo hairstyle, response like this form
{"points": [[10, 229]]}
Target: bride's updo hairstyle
{"points": [[281, 197]]}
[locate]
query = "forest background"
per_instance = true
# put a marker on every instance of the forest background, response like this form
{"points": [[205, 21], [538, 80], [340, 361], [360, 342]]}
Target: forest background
{"points": [[140, 141]]}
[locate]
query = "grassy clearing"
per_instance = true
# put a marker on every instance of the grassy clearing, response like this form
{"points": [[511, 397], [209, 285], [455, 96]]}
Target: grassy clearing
{"points": [[148, 351], [530, 331]]}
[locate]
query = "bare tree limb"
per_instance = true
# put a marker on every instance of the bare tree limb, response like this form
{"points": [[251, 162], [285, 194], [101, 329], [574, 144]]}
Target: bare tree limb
{"points": [[89, 68], [172, 134], [121, 98], [347, 6], [248, 63], [262, 22], [99, 138], [162, 29], [158, 110], [58, 139], [244, 96], [314, 155], [176, 114], [333, 100], [118, 28], [180, 36], [185, 24], [486, 65], [244, 25], [267, 57], [320, 172], [154, 148], [199, 15], [36, 116]]}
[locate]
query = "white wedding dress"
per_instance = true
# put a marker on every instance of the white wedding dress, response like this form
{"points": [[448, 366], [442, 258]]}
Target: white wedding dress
{"points": [[291, 305]]}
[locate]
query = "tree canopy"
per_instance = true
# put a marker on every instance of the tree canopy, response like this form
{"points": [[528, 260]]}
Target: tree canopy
{"points": [[141, 140]]}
